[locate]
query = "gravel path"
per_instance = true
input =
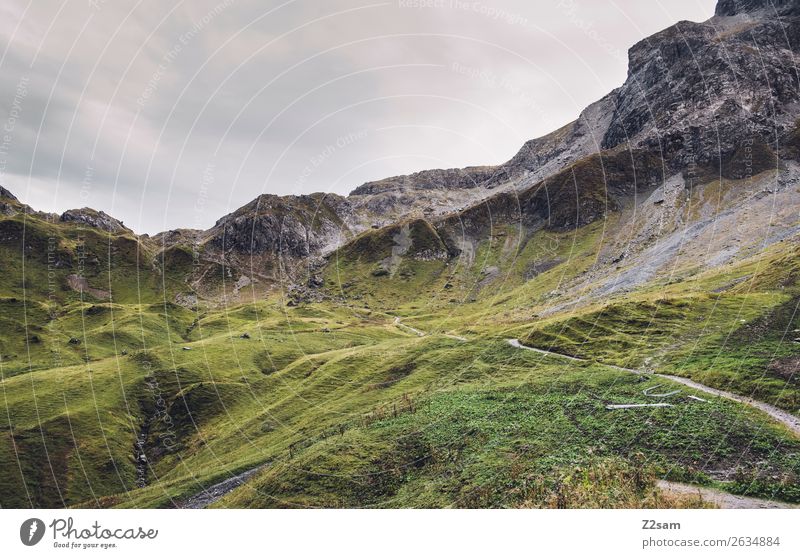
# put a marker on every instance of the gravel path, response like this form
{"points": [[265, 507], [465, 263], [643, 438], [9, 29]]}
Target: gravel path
{"points": [[399, 323], [637, 405], [722, 499], [213, 493], [787, 419], [413, 330], [784, 417], [516, 343]]}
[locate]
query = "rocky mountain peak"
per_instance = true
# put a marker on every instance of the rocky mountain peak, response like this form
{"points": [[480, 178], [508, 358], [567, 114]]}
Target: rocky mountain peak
{"points": [[6, 195], [696, 95], [697, 92], [10, 205], [93, 218]]}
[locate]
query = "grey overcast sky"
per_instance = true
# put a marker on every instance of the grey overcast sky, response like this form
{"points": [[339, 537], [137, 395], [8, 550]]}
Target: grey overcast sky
{"points": [[171, 114]]}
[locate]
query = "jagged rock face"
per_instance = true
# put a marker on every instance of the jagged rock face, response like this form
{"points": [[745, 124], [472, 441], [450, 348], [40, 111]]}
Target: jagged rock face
{"points": [[94, 219], [546, 156], [577, 196], [425, 193], [433, 193], [722, 96], [296, 227], [10, 205], [697, 92], [5, 194], [247, 234], [470, 177]]}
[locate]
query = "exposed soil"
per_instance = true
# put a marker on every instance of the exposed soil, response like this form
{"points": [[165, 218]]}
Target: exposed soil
{"points": [[786, 368], [81, 285]]}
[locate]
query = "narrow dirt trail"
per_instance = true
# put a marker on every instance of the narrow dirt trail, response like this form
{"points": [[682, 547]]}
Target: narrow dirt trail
{"points": [[399, 323], [456, 337], [403, 326], [784, 417], [215, 492], [516, 343], [208, 496], [722, 499]]}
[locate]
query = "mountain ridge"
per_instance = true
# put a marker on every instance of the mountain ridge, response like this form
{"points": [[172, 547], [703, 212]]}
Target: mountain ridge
{"points": [[711, 100], [624, 115], [332, 351]]}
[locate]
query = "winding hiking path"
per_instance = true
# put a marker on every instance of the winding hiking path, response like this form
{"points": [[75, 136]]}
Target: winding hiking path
{"points": [[413, 330], [456, 337], [215, 492], [208, 496], [787, 419], [784, 417], [516, 343], [399, 323], [722, 499]]}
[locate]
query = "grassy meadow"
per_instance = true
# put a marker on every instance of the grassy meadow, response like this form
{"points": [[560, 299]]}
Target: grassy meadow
{"points": [[134, 400]]}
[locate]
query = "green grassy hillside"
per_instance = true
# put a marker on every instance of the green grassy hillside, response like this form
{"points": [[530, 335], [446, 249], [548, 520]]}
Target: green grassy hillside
{"points": [[394, 385]]}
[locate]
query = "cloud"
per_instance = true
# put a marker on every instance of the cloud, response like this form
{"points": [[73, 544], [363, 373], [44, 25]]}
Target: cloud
{"points": [[130, 108]]}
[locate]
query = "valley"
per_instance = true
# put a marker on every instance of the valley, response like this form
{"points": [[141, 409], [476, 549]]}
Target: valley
{"points": [[608, 320]]}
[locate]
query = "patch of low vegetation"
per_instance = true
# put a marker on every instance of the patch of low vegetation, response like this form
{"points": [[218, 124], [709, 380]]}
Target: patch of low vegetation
{"points": [[472, 447]]}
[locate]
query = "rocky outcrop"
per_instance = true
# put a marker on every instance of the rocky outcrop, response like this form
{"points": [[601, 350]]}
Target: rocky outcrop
{"points": [[168, 239], [574, 197], [701, 100], [10, 205], [293, 226], [432, 193], [438, 179], [704, 100], [81, 285], [698, 92], [6, 195], [95, 219], [545, 156], [718, 98]]}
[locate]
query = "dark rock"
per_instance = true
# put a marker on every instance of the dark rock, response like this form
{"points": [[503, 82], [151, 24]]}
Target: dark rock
{"points": [[291, 226], [700, 93], [94, 219], [6, 195]]}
